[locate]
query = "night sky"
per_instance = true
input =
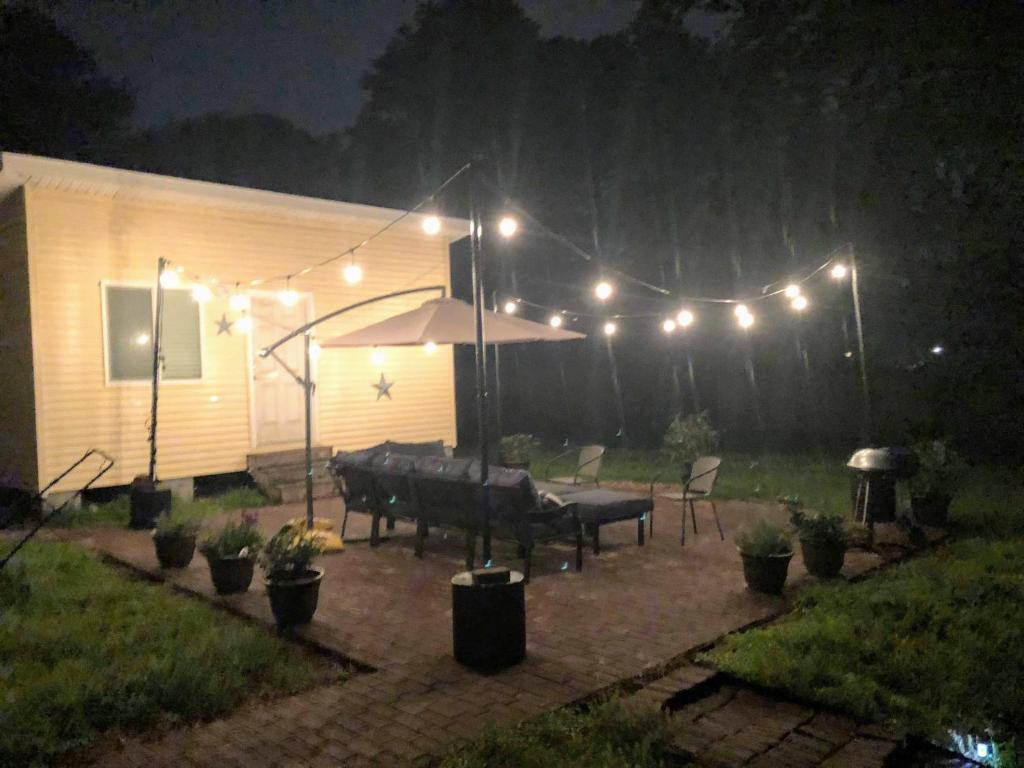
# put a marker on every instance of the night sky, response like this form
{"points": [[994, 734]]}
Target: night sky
{"points": [[300, 60]]}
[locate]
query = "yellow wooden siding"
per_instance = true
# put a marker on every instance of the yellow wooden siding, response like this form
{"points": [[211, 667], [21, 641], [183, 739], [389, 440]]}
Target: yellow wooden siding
{"points": [[77, 240], [17, 407]]}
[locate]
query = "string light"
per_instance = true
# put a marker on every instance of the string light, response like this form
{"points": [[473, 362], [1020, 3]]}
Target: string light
{"points": [[685, 318], [201, 293], [508, 226], [792, 291], [603, 290], [610, 328], [431, 225], [169, 279], [799, 303], [668, 326], [555, 321], [938, 349], [741, 311], [239, 302], [377, 356], [142, 339], [244, 324], [510, 307], [430, 347], [352, 273], [288, 296], [746, 320], [838, 272]]}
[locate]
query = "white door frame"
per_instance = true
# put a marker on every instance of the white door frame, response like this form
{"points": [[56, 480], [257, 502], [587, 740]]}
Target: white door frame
{"points": [[251, 352]]}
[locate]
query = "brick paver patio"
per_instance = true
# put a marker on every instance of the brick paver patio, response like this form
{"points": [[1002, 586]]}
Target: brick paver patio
{"points": [[631, 614]]}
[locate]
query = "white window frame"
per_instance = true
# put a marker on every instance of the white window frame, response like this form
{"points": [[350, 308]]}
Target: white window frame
{"points": [[104, 284]]}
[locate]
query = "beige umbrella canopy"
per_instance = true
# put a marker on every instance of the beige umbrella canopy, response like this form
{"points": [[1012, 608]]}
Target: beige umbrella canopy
{"points": [[448, 321]]}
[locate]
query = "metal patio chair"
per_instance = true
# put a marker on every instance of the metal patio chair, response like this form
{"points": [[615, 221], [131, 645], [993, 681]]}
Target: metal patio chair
{"points": [[587, 471], [697, 487]]}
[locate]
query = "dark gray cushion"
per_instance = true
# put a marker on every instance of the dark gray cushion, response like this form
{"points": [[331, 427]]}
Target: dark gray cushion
{"points": [[430, 448], [601, 505]]}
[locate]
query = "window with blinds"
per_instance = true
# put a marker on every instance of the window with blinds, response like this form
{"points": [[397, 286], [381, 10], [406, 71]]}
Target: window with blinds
{"points": [[129, 334]]}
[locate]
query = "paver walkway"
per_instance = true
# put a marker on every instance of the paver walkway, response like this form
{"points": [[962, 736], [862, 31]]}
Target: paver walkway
{"points": [[630, 614]]}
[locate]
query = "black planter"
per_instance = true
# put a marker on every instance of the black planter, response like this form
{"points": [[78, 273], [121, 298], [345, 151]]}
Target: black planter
{"points": [[489, 619], [174, 550], [230, 574], [147, 504], [293, 601], [766, 573], [824, 560], [931, 510]]}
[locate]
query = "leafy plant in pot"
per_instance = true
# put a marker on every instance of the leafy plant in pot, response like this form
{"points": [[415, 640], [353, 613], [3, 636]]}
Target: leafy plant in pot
{"points": [[823, 539], [231, 553], [766, 552], [514, 451], [931, 488], [175, 540], [688, 438], [293, 582]]}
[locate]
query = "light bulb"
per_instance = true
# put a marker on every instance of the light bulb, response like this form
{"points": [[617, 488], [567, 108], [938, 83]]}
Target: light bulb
{"points": [[201, 293], [685, 318], [432, 225], [838, 272], [741, 310], [239, 302], [169, 279], [352, 273], [938, 349], [377, 357], [556, 321], [603, 290], [746, 320], [668, 326], [799, 303], [508, 226], [610, 328], [243, 324], [430, 347], [288, 297], [142, 339], [792, 291], [510, 307]]}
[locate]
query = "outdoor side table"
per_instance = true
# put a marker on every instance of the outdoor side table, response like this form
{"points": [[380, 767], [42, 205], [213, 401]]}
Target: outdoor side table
{"points": [[489, 618]]}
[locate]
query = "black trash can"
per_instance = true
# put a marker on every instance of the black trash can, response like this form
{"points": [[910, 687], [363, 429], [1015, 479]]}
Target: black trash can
{"points": [[147, 504], [489, 618]]}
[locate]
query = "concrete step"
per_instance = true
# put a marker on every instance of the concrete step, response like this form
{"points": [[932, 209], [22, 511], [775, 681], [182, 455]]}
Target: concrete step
{"points": [[289, 473], [266, 459], [291, 493]]}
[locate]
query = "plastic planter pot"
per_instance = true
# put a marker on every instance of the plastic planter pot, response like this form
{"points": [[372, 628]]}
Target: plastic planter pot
{"points": [[174, 551], [931, 510], [293, 601], [824, 560], [766, 573], [230, 575]]}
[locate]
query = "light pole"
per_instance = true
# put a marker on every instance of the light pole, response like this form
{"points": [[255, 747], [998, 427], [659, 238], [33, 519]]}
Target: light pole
{"points": [[839, 272]]}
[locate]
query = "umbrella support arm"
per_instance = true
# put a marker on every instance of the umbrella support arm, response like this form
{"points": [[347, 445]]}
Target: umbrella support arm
{"points": [[306, 381]]}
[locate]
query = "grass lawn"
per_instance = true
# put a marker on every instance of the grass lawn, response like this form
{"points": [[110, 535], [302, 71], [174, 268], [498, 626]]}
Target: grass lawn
{"points": [[93, 651], [115, 514], [606, 736]]}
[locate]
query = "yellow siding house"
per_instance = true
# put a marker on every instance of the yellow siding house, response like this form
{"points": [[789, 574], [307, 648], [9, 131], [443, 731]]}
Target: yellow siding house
{"points": [[79, 246]]}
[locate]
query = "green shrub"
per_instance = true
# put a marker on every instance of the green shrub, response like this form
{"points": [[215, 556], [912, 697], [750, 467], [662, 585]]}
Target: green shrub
{"points": [[290, 553], [763, 539], [940, 472], [178, 523], [817, 528], [233, 539], [690, 437], [516, 449]]}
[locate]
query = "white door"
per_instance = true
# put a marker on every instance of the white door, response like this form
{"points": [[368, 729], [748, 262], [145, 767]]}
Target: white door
{"points": [[278, 408]]}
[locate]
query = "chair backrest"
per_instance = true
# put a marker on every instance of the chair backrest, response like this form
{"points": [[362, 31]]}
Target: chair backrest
{"points": [[589, 465], [703, 474]]}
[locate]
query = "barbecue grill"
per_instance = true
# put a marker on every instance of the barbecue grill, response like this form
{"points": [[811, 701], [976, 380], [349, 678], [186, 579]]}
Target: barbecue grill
{"points": [[877, 472]]}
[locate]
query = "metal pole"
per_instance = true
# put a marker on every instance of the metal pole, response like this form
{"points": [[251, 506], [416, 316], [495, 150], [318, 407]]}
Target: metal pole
{"points": [[158, 323], [307, 386], [481, 368], [866, 430], [618, 392], [693, 379], [497, 373]]}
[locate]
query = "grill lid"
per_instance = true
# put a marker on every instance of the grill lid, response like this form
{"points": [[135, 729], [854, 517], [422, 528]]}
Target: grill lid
{"points": [[900, 461]]}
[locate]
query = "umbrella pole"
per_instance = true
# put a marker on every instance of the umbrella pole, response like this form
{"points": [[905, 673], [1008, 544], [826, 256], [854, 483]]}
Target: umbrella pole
{"points": [[307, 386], [481, 373]]}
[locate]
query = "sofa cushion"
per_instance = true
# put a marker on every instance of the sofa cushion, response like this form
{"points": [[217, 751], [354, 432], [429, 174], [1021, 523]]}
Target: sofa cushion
{"points": [[601, 505]]}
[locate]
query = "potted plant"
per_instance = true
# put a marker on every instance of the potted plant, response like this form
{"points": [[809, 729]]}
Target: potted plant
{"points": [[293, 582], [688, 438], [514, 451], [175, 540], [766, 552], [823, 540], [931, 488], [231, 553]]}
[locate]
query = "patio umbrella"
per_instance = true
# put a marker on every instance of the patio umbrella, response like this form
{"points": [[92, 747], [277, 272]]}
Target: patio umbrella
{"points": [[451, 321]]}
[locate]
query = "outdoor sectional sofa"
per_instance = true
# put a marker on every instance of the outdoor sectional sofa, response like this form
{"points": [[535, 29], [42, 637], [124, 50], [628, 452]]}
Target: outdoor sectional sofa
{"points": [[418, 482]]}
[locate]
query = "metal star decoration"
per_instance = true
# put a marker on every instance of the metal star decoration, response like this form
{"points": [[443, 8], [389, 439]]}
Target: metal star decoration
{"points": [[224, 325], [383, 387]]}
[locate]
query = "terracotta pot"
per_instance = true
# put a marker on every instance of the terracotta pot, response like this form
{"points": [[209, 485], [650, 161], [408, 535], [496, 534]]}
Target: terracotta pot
{"points": [[824, 560], [766, 573], [931, 510], [231, 574], [174, 551], [293, 601]]}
